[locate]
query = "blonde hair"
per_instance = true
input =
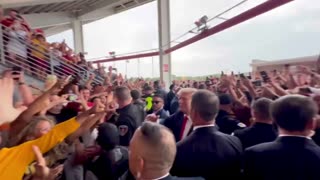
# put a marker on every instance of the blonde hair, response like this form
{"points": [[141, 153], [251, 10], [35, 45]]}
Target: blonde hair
{"points": [[28, 131], [187, 91]]}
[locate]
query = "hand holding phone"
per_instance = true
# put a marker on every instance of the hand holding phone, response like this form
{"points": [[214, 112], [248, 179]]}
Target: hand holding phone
{"points": [[242, 76], [265, 76], [257, 83], [16, 72]]}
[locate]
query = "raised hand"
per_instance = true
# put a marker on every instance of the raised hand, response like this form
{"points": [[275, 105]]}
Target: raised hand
{"points": [[7, 112], [59, 85], [152, 118], [42, 171]]}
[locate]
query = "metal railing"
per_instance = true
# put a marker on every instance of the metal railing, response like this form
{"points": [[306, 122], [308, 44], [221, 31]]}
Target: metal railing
{"points": [[16, 50]]}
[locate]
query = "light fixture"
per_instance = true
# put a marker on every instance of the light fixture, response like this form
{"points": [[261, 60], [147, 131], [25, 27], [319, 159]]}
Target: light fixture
{"points": [[112, 54], [202, 23]]}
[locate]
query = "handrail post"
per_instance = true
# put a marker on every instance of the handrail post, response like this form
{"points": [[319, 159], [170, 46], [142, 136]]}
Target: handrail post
{"points": [[2, 58], [88, 74], [51, 63]]}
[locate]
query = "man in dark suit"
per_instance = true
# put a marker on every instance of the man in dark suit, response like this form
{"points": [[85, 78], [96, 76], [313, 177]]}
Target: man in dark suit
{"points": [[170, 96], [180, 123], [152, 152], [293, 155], [226, 119], [263, 129], [206, 152], [157, 107], [159, 90]]}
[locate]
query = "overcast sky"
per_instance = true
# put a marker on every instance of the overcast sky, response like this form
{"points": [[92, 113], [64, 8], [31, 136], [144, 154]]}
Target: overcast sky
{"points": [[292, 30]]}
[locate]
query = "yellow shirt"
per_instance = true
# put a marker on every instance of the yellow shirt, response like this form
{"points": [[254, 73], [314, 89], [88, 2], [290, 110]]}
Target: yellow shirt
{"points": [[40, 49], [14, 161]]}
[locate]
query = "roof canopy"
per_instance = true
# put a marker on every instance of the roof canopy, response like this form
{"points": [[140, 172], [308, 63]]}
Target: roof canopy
{"points": [[55, 16]]}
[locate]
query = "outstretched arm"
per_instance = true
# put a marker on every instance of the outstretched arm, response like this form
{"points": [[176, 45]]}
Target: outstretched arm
{"points": [[7, 112], [34, 108]]}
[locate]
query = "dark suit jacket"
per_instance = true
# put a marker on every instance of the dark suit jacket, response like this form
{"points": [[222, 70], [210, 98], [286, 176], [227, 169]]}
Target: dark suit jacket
{"points": [[208, 153], [256, 134], [163, 114], [174, 105], [170, 96], [316, 137], [228, 123], [130, 177], [289, 157], [174, 123], [181, 178]]}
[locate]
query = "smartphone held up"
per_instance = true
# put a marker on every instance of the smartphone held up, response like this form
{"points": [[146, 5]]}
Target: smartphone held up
{"points": [[16, 71]]}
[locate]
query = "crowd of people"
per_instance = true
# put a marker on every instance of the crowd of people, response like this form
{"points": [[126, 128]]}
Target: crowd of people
{"points": [[265, 126], [29, 48]]}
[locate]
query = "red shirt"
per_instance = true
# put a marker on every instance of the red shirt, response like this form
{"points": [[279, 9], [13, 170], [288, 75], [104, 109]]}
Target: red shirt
{"points": [[8, 21]]}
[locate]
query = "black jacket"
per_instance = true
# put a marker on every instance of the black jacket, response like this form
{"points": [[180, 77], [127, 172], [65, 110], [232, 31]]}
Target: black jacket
{"points": [[287, 157], [208, 153], [163, 114], [181, 178], [228, 123], [169, 177], [110, 165], [129, 119], [168, 100], [174, 105], [256, 134], [174, 123]]}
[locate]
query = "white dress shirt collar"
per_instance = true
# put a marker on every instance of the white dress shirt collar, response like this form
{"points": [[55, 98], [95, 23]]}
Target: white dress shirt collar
{"points": [[161, 177], [289, 135], [202, 126]]}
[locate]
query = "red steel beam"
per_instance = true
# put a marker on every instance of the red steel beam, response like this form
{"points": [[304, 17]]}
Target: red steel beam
{"points": [[249, 14], [136, 56]]}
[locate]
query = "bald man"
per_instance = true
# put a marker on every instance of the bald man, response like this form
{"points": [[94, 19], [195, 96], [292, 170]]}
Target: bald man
{"points": [[180, 123], [152, 152]]}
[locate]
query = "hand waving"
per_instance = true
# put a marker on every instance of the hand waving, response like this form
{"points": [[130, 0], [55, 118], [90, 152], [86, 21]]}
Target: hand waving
{"points": [[7, 112], [42, 171]]}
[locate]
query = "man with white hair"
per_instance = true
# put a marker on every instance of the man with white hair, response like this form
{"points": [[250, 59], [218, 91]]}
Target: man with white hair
{"points": [[180, 123]]}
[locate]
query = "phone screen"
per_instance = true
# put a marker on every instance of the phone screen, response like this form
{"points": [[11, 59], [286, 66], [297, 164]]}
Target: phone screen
{"points": [[264, 76], [72, 97], [257, 83]]}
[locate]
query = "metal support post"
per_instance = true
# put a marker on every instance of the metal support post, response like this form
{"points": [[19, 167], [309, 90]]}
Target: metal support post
{"points": [[164, 41], [51, 62], [78, 36], [2, 55]]}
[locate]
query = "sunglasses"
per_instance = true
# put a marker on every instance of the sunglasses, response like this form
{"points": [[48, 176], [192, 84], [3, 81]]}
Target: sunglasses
{"points": [[156, 102]]}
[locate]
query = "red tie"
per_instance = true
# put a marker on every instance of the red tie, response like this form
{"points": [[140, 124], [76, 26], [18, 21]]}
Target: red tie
{"points": [[184, 124]]}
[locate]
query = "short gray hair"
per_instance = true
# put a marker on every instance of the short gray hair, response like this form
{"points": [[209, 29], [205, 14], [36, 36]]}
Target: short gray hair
{"points": [[206, 104], [122, 93], [262, 108], [160, 143]]}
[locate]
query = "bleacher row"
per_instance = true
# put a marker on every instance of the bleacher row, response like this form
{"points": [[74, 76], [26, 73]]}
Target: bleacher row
{"points": [[27, 49]]}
